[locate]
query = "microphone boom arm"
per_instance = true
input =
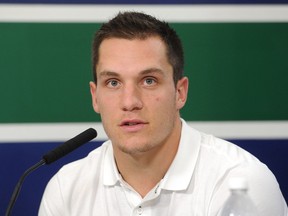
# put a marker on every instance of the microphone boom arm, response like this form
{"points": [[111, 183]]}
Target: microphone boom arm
{"points": [[50, 157], [19, 185]]}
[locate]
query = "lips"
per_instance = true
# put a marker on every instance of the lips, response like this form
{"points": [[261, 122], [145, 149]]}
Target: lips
{"points": [[131, 122], [132, 125]]}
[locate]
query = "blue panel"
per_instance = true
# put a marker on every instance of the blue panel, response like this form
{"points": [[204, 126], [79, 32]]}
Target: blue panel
{"points": [[274, 154], [15, 158]]}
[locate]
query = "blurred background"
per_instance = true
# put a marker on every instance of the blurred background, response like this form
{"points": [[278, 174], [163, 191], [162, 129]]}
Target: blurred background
{"points": [[236, 57]]}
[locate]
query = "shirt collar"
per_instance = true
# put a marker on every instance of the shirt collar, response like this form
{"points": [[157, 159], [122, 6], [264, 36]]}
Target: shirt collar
{"points": [[180, 172], [110, 172]]}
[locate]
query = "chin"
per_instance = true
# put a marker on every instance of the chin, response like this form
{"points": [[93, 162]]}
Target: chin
{"points": [[136, 149]]}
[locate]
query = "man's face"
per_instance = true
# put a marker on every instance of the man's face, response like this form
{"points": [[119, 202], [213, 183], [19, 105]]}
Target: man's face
{"points": [[135, 94]]}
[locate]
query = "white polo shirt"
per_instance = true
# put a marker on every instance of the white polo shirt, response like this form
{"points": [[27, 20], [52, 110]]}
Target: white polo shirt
{"points": [[195, 184]]}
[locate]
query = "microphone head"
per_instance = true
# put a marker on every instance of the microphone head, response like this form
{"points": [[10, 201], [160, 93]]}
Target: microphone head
{"points": [[70, 145]]}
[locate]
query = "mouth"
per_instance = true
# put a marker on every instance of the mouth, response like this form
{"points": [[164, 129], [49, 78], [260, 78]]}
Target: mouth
{"points": [[131, 122], [132, 125]]}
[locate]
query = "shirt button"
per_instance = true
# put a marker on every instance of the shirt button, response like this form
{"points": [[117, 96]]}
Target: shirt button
{"points": [[140, 210]]}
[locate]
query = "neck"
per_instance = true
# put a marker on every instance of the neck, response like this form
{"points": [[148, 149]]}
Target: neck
{"points": [[143, 171]]}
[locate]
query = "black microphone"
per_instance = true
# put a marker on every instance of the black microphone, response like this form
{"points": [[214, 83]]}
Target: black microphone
{"points": [[70, 145], [52, 156]]}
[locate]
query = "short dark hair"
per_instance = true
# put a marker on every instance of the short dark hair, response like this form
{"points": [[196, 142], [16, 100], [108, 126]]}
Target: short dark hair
{"points": [[136, 25]]}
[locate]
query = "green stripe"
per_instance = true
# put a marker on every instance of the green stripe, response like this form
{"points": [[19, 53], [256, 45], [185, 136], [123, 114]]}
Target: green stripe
{"points": [[237, 71]]}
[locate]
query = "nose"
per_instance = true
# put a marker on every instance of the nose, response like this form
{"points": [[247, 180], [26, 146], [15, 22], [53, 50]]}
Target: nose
{"points": [[131, 98]]}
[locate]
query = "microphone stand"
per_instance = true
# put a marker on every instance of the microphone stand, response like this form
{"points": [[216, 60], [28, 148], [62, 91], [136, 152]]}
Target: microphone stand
{"points": [[19, 185], [52, 156]]}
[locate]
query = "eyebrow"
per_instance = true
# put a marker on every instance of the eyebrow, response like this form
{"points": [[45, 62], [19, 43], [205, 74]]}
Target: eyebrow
{"points": [[152, 70], [148, 71], [108, 74]]}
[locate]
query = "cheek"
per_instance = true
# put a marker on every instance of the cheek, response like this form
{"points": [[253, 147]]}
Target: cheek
{"points": [[108, 106], [103, 107], [101, 104], [166, 99]]}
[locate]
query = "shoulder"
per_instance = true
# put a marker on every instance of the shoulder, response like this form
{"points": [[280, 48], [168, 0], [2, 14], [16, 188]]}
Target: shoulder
{"points": [[214, 148], [216, 154], [67, 184], [91, 161], [225, 150], [228, 159], [79, 172], [225, 160]]}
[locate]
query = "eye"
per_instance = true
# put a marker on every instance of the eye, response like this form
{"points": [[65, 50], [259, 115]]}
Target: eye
{"points": [[112, 83], [149, 81]]}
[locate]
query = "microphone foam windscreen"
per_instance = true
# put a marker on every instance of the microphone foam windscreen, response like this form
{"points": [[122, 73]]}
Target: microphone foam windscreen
{"points": [[70, 145]]}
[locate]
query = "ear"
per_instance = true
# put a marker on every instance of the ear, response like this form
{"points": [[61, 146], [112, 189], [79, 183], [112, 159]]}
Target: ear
{"points": [[182, 92], [93, 89]]}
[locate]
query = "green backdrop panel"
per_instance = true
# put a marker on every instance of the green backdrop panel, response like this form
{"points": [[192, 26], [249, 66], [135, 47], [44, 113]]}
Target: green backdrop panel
{"points": [[237, 71]]}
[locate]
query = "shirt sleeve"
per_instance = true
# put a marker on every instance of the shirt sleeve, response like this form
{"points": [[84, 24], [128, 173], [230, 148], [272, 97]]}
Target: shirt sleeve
{"points": [[52, 203], [263, 188]]}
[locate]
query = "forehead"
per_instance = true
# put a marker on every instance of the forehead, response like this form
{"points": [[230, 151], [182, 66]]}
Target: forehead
{"points": [[114, 43], [135, 54]]}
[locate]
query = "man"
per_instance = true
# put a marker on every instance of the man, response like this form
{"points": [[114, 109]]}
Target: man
{"points": [[154, 163]]}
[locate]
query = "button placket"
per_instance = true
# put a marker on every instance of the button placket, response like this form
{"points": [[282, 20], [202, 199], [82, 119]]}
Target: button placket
{"points": [[139, 210]]}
